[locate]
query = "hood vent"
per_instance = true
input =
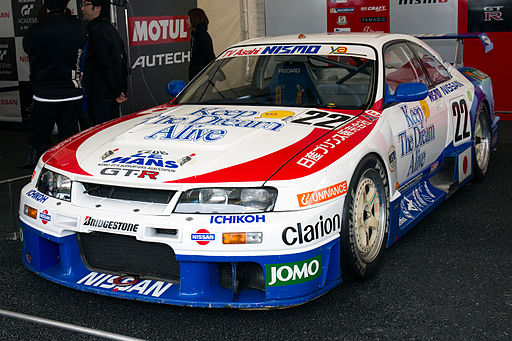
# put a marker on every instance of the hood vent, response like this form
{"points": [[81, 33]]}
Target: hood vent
{"points": [[155, 196]]}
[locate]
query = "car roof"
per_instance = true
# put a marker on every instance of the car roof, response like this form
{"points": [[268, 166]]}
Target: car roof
{"points": [[373, 39]]}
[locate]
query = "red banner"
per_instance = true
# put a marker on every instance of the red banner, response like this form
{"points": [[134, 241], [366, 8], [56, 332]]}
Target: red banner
{"points": [[158, 30]]}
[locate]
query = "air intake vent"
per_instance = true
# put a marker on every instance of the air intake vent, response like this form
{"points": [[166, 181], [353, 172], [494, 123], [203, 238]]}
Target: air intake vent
{"points": [[155, 196], [118, 254]]}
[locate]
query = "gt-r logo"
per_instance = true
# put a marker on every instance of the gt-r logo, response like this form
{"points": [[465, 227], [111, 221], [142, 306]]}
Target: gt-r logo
{"points": [[493, 13], [130, 172]]}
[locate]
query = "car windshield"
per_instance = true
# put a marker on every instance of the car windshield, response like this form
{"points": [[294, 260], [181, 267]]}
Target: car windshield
{"points": [[341, 81]]}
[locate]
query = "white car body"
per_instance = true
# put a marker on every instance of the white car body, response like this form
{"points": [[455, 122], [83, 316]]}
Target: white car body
{"points": [[297, 150]]}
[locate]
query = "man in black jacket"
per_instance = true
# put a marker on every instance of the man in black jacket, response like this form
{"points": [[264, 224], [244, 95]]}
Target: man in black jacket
{"points": [[105, 69], [54, 46]]}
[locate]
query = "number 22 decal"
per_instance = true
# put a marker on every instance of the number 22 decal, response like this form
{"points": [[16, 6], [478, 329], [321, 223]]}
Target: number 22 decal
{"points": [[318, 118], [461, 114]]}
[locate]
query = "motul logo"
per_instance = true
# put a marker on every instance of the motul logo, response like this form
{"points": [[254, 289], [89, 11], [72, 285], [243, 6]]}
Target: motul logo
{"points": [[157, 30]]}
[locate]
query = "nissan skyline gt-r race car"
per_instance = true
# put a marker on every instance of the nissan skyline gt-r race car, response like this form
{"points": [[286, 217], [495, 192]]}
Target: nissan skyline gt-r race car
{"points": [[286, 167]]}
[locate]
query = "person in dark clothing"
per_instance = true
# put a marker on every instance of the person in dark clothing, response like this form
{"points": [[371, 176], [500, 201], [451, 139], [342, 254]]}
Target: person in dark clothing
{"points": [[201, 44], [55, 47], [105, 69]]}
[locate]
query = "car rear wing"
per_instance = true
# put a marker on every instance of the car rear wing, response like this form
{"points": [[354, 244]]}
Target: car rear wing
{"points": [[484, 38]]}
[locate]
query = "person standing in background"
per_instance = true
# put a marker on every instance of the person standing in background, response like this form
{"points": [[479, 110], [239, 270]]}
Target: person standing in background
{"points": [[54, 46], [201, 44], [105, 69]]}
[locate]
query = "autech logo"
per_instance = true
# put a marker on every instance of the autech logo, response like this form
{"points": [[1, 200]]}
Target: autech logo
{"points": [[3, 53]]}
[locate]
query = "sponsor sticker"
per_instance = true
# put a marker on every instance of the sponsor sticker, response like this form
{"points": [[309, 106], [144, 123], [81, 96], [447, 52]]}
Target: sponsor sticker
{"points": [[130, 172], [278, 114], [293, 273], [35, 195], [322, 195], [342, 20], [45, 217], [305, 234], [392, 159], [241, 219], [342, 10], [110, 224], [202, 237], [127, 284], [338, 50], [157, 30]]}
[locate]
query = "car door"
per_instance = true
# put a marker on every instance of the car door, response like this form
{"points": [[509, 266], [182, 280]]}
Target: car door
{"points": [[419, 128], [454, 93]]}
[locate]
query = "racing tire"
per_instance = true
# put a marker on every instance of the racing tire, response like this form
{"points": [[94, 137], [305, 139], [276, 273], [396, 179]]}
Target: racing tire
{"points": [[365, 220], [481, 143]]}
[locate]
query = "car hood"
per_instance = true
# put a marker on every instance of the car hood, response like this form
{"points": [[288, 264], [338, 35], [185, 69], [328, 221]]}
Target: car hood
{"points": [[190, 144]]}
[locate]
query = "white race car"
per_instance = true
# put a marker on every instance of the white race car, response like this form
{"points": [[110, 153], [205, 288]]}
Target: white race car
{"points": [[287, 166]]}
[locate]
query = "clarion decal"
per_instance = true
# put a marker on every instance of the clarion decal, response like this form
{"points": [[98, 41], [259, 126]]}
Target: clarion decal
{"points": [[304, 234], [157, 30]]}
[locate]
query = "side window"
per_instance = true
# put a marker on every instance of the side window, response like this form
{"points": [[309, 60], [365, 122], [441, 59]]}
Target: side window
{"points": [[402, 66], [434, 68]]}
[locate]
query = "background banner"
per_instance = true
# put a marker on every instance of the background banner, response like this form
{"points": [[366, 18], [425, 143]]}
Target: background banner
{"points": [[490, 16], [357, 16], [158, 42]]}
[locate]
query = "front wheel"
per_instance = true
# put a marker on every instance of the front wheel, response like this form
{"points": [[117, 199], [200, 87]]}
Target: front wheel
{"points": [[481, 143], [365, 220]]}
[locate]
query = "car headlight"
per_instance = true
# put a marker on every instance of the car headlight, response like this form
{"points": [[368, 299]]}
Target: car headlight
{"points": [[227, 200], [55, 185]]}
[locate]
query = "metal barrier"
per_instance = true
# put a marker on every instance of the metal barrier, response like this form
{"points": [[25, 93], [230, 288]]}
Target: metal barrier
{"points": [[9, 205]]}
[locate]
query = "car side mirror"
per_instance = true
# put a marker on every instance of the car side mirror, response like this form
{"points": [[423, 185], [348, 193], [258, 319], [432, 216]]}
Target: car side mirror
{"points": [[175, 87], [407, 92]]}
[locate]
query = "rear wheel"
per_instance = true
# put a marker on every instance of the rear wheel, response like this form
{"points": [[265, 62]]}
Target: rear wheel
{"points": [[365, 220], [481, 143]]}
